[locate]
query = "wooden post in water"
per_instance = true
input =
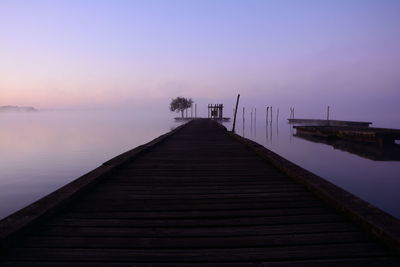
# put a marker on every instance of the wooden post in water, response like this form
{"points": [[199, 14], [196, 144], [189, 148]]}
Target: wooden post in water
{"points": [[277, 115], [266, 118], [243, 121], [234, 119], [292, 113], [251, 120], [255, 120], [327, 114], [195, 110], [271, 114]]}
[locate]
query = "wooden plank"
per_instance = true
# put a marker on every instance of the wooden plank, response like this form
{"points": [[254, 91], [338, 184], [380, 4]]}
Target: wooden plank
{"points": [[185, 214], [117, 196], [201, 255], [194, 174], [376, 261], [170, 205], [207, 181], [198, 242], [170, 189], [364, 261], [197, 231], [202, 222]]}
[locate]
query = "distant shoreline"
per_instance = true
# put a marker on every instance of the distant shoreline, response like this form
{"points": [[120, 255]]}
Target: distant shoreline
{"points": [[17, 109]]}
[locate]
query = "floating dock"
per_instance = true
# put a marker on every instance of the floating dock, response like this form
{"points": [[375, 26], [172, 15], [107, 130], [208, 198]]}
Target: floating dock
{"points": [[316, 122], [200, 196], [381, 136], [370, 151]]}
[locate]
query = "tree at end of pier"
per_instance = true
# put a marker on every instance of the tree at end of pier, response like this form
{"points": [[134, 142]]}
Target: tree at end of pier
{"points": [[180, 104]]}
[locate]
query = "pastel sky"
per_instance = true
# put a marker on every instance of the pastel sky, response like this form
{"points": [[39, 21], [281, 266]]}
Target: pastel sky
{"points": [[100, 53]]}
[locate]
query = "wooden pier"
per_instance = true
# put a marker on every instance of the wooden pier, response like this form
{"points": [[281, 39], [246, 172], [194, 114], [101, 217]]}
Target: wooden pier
{"points": [[200, 196], [372, 151], [316, 122], [381, 136]]}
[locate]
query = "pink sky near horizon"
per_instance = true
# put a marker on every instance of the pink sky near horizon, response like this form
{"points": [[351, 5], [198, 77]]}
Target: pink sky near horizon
{"points": [[73, 54]]}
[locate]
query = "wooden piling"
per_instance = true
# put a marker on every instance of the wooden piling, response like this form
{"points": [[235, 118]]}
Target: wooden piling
{"points": [[255, 120], [243, 120], [251, 121], [327, 114], [277, 115], [234, 120]]}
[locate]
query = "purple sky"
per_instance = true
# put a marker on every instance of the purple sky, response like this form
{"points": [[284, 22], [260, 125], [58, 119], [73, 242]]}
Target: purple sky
{"points": [[306, 54]]}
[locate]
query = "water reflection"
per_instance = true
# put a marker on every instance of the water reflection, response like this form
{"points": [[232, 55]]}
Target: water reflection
{"points": [[268, 132], [42, 151], [365, 150], [363, 171]]}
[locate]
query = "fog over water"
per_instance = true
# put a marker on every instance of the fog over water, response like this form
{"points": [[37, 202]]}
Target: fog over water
{"points": [[39, 152], [103, 74], [44, 150]]}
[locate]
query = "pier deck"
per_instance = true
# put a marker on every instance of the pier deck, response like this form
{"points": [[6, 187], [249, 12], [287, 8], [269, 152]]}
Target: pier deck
{"points": [[381, 136], [199, 196], [317, 122]]}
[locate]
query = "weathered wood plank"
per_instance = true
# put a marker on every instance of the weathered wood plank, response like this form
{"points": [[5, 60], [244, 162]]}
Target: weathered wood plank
{"points": [[117, 196], [364, 261], [198, 242], [212, 189], [203, 222], [197, 231], [249, 213], [170, 205], [201, 255], [194, 181]]}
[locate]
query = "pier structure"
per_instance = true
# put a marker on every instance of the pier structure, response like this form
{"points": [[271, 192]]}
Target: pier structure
{"points": [[372, 151], [327, 122], [381, 136], [215, 111], [200, 196]]}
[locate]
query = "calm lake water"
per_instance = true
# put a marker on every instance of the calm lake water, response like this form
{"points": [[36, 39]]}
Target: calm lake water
{"points": [[362, 170], [42, 151]]}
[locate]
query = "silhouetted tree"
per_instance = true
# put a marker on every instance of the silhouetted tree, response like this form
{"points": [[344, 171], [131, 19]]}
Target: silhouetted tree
{"points": [[180, 104]]}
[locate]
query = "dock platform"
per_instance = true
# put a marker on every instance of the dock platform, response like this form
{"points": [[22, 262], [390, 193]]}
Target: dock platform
{"points": [[317, 122], [372, 151], [224, 119], [200, 196], [381, 136]]}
